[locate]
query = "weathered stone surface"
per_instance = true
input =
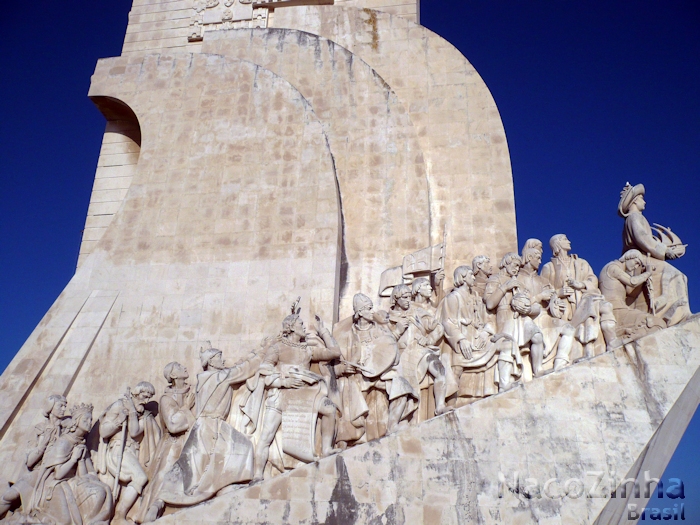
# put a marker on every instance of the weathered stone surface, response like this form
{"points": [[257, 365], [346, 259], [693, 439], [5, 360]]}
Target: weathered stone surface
{"points": [[457, 122], [596, 415], [382, 179], [222, 225]]}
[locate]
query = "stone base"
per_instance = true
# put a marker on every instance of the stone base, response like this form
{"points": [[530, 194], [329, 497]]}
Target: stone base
{"points": [[507, 459]]}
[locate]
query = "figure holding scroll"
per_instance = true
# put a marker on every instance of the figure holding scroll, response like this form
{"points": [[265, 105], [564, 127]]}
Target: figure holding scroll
{"points": [[296, 396]]}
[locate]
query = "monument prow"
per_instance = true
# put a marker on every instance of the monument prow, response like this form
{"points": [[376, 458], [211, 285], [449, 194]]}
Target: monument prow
{"points": [[262, 154]]}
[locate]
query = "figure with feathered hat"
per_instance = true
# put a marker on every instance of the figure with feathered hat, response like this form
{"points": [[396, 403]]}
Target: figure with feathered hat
{"points": [[295, 397]]}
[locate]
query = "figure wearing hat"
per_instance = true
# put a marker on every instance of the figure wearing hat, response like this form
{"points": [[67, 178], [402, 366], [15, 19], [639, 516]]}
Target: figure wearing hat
{"points": [[667, 296], [295, 397], [374, 397]]}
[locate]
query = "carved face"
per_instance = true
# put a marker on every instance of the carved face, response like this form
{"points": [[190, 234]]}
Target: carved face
{"points": [[59, 408], [142, 398], [404, 300], [469, 278], [366, 313], [180, 372], [513, 267], [485, 267], [425, 290], [299, 328], [217, 361], [632, 264], [85, 422], [640, 202], [565, 244], [536, 260]]}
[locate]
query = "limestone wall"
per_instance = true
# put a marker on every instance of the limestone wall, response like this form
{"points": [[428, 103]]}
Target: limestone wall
{"points": [[595, 416], [223, 226], [155, 25], [455, 119], [381, 173], [251, 167], [457, 123], [115, 170]]}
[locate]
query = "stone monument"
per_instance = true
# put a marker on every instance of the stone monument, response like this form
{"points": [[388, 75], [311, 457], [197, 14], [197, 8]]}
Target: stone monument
{"points": [[265, 153]]}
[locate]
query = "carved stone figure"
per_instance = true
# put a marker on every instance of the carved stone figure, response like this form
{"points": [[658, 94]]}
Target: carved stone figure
{"points": [[472, 356], [296, 396], [667, 293], [176, 418], [426, 296], [128, 438], [483, 270], [514, 313], [50, 429], [65, 489], [622, 283], [418, 332], [368, 376], [46, 433], [568, 274], [215, 455], [541, 292], [580, 307]]}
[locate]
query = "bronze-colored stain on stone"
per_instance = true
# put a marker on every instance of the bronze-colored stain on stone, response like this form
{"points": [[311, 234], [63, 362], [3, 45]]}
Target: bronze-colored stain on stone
{"points": [[371, 20]]}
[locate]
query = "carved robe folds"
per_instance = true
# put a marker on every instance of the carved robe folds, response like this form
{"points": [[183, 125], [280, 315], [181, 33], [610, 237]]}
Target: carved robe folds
{"points": [[463, 317], [364, 395], [67, 499], [138, 453], [584, 311], [176, 418], [291, 413], [417, 348], [215, 455]]}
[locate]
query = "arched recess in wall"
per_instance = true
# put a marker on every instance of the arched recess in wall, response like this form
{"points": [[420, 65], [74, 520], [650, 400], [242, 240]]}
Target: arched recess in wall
{"points": [[121, 147]]}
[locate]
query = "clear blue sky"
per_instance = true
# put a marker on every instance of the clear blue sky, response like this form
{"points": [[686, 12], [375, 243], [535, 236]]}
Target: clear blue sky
{"points": [[592, 94]]}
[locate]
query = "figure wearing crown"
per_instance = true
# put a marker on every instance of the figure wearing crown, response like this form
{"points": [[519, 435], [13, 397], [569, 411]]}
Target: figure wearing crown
{"points": [[64, 488]]}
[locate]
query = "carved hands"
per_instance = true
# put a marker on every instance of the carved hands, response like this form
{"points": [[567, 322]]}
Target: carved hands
{"points": [[674, 252], [566, 292], [292, 382], [320, 328], [465, 348], [439, 278], [521, 304], [79, 452], [400, 327], [511, 284], [576, 285]]}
